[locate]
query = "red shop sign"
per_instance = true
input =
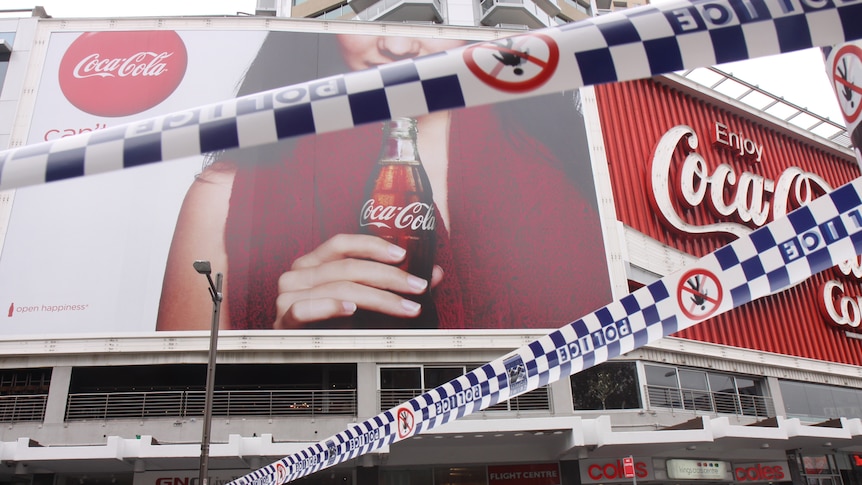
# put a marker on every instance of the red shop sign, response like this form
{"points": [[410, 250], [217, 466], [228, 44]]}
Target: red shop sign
{"points": [[533, 474]]}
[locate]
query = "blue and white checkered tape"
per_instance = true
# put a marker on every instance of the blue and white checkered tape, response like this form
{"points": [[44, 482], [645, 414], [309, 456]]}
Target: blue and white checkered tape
{"points": [[630, 44], [777, 256]]}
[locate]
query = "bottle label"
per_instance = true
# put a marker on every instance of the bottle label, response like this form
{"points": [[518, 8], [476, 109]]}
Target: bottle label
{"points": [[417, 216]]}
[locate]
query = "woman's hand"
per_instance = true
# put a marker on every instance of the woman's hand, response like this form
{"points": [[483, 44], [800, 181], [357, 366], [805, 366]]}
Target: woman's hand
{"points": [[347, 272]]}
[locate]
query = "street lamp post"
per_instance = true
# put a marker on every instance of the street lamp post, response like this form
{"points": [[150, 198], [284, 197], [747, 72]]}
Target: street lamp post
{"points": [[204, 268]]}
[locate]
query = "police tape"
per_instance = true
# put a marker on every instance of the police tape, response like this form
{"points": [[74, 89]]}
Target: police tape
{"points": [[775, 257], [630, 44]]}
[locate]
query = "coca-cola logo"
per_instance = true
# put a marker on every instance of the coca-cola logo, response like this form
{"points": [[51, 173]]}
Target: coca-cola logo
{"points": [[122, 73], [416, 216], [850, 269], [840, 308], [742, 201]]}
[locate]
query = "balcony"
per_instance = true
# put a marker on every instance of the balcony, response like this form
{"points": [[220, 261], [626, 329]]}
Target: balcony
{"points": [[705, 402], [576, 9], [515, 12], [399, 10], [18, 408], [180, 404]]}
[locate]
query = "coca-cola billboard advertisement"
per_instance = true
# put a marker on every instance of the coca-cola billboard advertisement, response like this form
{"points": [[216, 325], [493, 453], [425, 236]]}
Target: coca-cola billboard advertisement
{"points": [[495, 204], [88, 256]]}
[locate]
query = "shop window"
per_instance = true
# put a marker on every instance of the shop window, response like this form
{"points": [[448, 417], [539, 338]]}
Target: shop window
{"points": [[805, 400], [400, 384], [460, 475], [663, 387], [612, 385], [8, 38], [751, 392], [707, 392], [407, 379], [19, 382], [821, 470], [456, 475], [332, 476], [177, 390], [406, 477], [695, 390], [23, 394], [846, 402], [724, 394]]}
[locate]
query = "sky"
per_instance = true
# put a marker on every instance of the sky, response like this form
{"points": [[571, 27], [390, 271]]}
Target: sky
{"points": [[798, 77]]}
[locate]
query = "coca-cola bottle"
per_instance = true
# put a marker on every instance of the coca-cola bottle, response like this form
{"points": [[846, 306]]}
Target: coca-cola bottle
{"points": [[399, 207]]}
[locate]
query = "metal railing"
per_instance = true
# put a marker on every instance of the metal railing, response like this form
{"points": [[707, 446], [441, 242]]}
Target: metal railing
{"points": [[709, 402], [180, 404], [23, 408], [526, 5], [375, 11], [535, 400], [335, 13], [758, 98]]}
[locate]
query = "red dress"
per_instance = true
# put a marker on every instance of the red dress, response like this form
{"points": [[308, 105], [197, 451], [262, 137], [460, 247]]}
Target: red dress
{"points": [[525, 250]]}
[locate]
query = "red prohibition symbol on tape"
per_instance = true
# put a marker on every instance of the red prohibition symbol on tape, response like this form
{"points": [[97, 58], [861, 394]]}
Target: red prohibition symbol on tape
{"points": [[405, 422], [699, 294], [847, 76], [280, 473], [515, 65]]}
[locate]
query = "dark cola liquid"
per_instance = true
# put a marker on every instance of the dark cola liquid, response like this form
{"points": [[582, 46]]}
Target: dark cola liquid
{"points": [[399, 207]]}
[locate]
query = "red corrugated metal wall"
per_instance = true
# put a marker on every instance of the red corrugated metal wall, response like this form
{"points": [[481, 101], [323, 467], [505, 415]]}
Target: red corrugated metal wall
{"points": [[634, 117]]}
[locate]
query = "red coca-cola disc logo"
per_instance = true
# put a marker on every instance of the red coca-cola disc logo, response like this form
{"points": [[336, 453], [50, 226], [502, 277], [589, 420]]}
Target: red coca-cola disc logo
{"points": [[122, 73]]}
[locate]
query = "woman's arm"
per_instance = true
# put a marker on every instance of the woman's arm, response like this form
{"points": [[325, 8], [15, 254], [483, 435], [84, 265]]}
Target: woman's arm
{"points": [[199, 235]]}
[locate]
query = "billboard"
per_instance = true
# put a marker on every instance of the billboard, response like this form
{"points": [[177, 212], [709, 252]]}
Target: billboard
{"points": [[703, 174], [518, 238]]}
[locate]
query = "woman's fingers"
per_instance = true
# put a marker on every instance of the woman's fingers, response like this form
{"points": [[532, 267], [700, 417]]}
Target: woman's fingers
{"points": [[343, 246], [339, 299], [369, 273], [345, 273]]}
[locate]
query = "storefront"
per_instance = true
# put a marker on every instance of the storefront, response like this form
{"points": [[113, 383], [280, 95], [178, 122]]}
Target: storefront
{"points": [[692, 471]]}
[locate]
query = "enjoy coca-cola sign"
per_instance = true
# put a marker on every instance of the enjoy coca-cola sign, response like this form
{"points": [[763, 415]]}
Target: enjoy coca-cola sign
{"points": [[729, 200], [122, 73], [739, 201]]}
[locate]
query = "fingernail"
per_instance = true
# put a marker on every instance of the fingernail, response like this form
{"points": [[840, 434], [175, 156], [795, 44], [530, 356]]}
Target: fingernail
{"points": [[411, 306], [396, 251], [349, 307], [417, 283]]}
